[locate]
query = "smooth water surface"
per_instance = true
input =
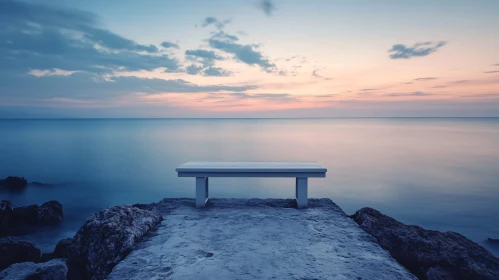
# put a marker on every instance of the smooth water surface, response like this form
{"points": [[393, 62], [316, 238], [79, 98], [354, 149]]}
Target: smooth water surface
{"points": [[441, 174]]}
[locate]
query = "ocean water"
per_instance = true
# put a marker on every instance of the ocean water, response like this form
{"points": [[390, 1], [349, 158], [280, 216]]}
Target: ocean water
{"points": [[440, 174]]}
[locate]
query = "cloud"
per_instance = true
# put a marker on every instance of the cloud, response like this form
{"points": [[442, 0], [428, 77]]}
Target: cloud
{"points": [[50, 72], [48, 53], [316, 75], [207, 59], [479, 82], [93, 86], [281, 97], [497, 64], [113, 41], [243, 53], [400, 51], [491, 72], [417, 93], [426, 79], [267, 6], [325, 95], [39, 37], [216, 72], [194, 69], [207, 56], [214, 21], [236, 97], [484, 95], [168, 45]]}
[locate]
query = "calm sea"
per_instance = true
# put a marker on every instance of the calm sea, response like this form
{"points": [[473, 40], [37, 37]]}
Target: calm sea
{"points": [[441, 174]]}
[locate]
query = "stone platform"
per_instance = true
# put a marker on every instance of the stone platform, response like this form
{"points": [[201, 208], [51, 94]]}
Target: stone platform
{"points": [[257, 239]]}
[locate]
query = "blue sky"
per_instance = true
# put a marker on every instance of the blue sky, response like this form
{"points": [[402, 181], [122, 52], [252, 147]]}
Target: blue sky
{"points": [[249, 58]]}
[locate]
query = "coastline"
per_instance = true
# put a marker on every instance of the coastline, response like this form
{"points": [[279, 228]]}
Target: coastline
{"points": [[188, 224]]}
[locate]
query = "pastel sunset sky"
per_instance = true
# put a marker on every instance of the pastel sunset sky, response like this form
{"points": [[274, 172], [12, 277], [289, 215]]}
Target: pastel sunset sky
{"points": [[249, 58]]}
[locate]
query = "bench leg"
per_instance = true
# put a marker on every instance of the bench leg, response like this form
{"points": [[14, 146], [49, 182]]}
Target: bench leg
{"points": [[302, 192], [201, 191]]}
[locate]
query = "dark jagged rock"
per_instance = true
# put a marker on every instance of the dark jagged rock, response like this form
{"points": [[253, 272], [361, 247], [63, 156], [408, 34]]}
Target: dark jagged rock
{"points": [[493, 240], [52, 270], [107, 237], [429, 254], [12, 252], [13, 183], [24, 219], [50, 213], [62, 248]]}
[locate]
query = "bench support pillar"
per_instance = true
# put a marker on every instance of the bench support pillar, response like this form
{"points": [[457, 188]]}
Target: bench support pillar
{"points": [[302, 192], [201, 191]]}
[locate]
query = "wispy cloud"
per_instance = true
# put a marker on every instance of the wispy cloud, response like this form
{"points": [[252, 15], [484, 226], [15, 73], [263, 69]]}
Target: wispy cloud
{"points": [[482, 95], [491, 72], [247, 54], [168, 45], [88, 86], [417, 93], [207, 60], [215, 22], [400, 51], [325, 96], [50, 72], [278, 96], [64, 54], [194, 69], [267, 6], [316, 75], [426, 79], [39, 37], [216, 72], [241, 96], [478, 82]]}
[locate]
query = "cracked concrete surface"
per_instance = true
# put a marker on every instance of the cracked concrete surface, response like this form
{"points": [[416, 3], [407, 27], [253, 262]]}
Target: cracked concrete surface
{"points": [[257, 239]]}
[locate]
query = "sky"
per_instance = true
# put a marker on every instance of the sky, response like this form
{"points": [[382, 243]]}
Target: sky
{"points": [[248, 58]]}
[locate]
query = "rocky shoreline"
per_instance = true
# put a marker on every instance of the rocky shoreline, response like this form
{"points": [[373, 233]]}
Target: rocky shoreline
{"points": [[15, 221], [429, 254], [108, 236]]}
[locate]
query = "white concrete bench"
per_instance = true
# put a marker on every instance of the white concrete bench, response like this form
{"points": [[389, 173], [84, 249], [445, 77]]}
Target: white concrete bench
{"points": [[300, 170]]}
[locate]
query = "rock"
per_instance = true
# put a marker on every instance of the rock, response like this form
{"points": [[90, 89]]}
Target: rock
{"points": [[5, 205], [429, 254], [50, 213], [107, 237], [12, 252], [62, 248], [13, 183], [52, 270], [24, 219], [493, 240], [6, 211]]}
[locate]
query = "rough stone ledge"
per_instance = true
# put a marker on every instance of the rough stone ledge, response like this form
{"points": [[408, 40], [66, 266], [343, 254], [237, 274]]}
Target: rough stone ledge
{"points": [[256, 239]]}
